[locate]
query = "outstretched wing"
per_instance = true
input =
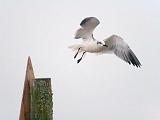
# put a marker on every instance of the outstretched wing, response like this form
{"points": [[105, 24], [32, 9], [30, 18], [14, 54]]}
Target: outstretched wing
{"points": [[122, 50], [87, 27]]}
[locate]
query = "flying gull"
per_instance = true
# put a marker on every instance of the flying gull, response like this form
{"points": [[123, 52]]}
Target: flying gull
{"points": [[113, 44]]}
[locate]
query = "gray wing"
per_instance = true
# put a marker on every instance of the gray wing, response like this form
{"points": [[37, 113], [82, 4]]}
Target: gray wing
{"points": [[87, 27], [122, 50]]}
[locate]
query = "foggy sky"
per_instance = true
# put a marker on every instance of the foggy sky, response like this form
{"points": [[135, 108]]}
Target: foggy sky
{"points": [[100, 87]]}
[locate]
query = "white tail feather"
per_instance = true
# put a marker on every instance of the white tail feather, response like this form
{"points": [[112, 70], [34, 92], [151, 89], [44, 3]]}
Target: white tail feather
{"points": [[75, 47]]}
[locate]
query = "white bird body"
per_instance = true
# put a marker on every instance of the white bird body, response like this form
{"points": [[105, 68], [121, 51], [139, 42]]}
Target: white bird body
{"points": [[113, 44], [88, 46]]}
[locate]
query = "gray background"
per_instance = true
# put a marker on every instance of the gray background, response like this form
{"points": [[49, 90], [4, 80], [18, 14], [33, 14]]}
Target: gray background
{"points": [[100, 87]]}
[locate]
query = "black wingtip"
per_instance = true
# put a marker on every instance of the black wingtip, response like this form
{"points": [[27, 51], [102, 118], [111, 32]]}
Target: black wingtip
{"points": [[133, 59], [84, 21]]}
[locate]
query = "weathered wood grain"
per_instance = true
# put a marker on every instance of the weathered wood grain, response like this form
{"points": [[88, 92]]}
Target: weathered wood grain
{"points": [[25, 104]]}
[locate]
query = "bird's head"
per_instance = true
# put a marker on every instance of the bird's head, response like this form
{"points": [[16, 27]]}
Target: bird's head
{"points": [[101, 44]]}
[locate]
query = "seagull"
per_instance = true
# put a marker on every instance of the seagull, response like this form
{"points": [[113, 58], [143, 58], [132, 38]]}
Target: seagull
{"points": [[113, 44]]}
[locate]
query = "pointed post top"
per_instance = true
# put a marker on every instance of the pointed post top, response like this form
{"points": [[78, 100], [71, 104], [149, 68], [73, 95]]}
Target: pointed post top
{"points": [[29, 70], [29, 58], [25, 104]]}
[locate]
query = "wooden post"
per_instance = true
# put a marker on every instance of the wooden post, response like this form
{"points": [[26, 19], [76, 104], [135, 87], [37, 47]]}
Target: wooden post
{"points": [[25, 104], [37, 97], [41, 99]]}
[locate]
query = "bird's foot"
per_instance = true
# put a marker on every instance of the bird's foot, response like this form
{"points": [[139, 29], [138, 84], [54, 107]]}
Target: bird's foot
{"points": [[79, 60]]}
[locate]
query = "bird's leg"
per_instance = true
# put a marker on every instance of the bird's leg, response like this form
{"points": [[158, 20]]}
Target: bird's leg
{"points": [[81, 57], [77, 53]]}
